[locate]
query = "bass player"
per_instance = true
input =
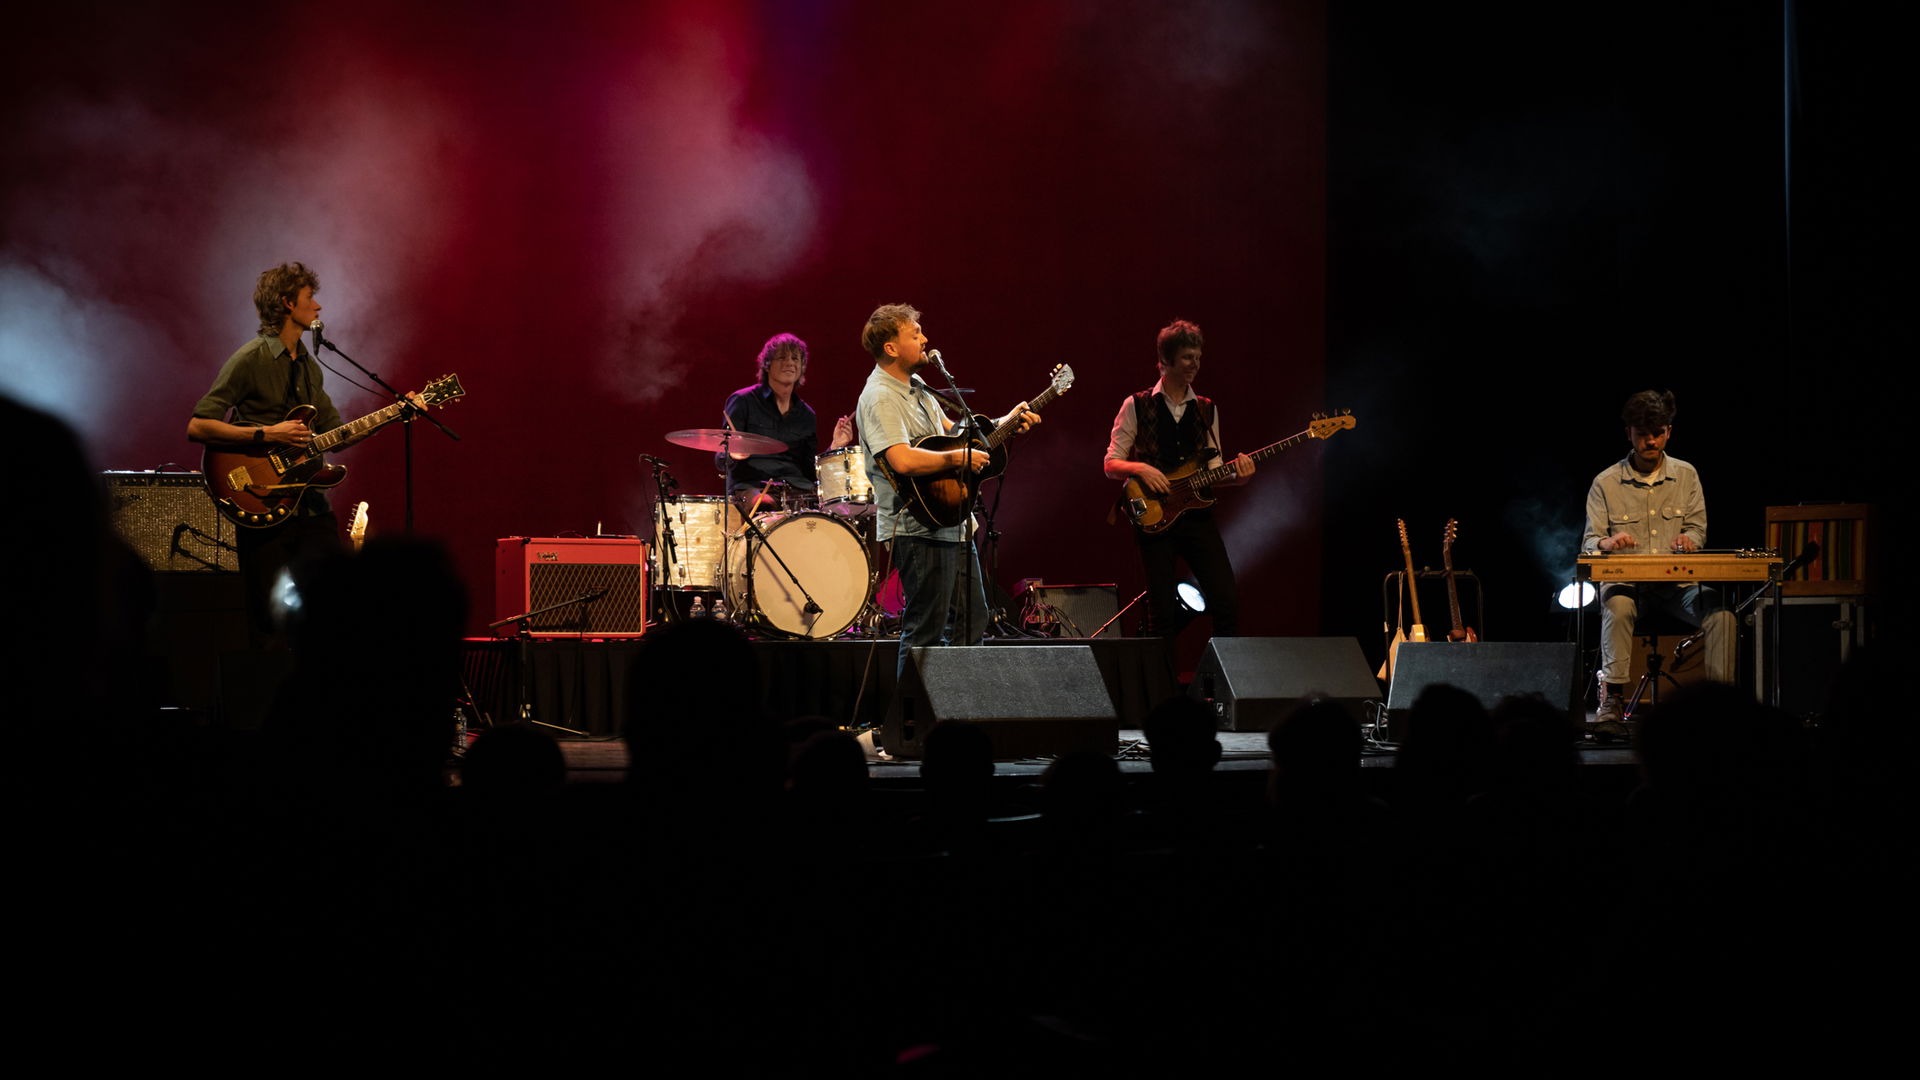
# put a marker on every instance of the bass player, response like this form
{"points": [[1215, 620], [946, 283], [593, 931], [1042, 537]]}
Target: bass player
{"points": [[1156, 432]]}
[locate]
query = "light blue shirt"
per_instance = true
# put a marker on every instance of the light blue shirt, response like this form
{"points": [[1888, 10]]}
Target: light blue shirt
{"points": [[891, 413], [1621, 501]]}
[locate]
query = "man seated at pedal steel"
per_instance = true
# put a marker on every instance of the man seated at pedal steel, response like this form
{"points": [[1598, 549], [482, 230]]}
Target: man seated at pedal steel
{"points": [[773, 407], [1651, 502]]}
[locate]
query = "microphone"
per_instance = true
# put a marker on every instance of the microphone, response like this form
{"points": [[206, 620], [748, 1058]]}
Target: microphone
{"points": [[933, 355], [1807, 555], [316, 337]]}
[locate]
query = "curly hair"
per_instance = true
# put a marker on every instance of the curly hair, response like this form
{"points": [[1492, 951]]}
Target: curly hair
{"points": [[276, 289], [771, 351], [1648, 410], [884, 324], [1176, 335]]}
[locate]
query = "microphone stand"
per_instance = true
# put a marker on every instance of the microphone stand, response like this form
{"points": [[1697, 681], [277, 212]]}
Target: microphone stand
{"points": [[663, 482], [523, 636], [407, 413], [966, 430]]}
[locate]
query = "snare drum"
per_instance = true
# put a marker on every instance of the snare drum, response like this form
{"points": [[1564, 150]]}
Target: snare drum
{"points": [[828, 557], [845, 488], [700, 524]]}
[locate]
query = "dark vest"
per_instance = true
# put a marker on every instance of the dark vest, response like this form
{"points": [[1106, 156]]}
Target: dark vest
{"points": [[1164, 443]]}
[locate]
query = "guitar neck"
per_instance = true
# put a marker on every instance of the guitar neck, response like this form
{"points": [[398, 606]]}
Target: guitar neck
{"points": [[1219, 473], [1004, 431], [328, 440], [1453, 593], [1413, 586]]}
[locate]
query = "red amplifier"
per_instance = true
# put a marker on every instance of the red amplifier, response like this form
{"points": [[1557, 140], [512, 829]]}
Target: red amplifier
{"points": [[600, 585]]}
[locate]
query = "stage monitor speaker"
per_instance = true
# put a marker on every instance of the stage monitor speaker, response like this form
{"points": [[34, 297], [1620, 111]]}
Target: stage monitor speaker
{"points": [[535, 572], [1032, 700], [169, 520], [1489, 670], [1253, 682], [1070, 610]]}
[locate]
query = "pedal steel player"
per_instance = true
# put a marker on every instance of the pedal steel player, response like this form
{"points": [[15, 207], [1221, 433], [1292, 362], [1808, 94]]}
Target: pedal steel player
{"points": [[897, 408], [1650, 501], [1156, 432], [773, 407]]}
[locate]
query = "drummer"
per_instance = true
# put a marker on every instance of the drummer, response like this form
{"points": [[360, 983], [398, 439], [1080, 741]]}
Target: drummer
{"points": [[772, 407]]}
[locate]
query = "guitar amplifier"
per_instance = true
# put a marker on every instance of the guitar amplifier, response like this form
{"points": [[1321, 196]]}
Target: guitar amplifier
{"points": [[535, 572], [170, 521]]}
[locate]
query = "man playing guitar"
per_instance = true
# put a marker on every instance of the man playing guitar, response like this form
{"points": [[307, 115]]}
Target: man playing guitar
{"points": [[1156, 432], [262, 382]]}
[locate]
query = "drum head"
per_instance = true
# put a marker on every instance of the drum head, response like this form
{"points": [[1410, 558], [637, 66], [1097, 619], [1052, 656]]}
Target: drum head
{"points": [[825, 554]]}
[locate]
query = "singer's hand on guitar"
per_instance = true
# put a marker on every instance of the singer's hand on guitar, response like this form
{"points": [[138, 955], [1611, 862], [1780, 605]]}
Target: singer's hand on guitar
{"points": [[289, 433], [1026, 415], [975, 460]]}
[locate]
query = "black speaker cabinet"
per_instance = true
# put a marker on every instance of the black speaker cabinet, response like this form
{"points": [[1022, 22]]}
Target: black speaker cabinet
{"points": [[169, 520], [1033, 700], [1255, 681], [1489, 670], [533, 572]]}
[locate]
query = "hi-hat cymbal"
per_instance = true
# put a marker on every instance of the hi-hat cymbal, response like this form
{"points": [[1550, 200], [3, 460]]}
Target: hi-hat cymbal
{"points": [[723, 441]]}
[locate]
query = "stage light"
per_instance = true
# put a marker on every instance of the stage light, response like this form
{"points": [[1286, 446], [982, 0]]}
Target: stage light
{"points": [[285, 598], [1192, 600], [1579, 594]]}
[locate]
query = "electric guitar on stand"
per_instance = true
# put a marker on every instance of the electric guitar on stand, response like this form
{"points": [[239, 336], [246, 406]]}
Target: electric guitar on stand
{"points": [[1459, 631], [1418, 632], [1188, 486]]}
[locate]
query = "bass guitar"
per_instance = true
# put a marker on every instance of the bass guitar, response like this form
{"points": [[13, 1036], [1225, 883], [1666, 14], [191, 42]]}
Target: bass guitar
{"points": [[1188, 485], [940, 500], [261, 486], [1458, 631]]}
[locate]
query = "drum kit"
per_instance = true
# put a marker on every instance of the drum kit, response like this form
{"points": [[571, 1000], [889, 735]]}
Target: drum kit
{"points": [[784, 561]]}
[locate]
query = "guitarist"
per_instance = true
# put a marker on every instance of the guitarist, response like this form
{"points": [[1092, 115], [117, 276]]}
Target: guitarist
{"points": [[1156, 432], [247, 405], [897, 408]]}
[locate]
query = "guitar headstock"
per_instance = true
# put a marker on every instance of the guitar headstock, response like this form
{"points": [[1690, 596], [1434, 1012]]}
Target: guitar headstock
{"points": [[1405, 543], [443, 389], [1453, 531], [1324, 426], [1062, 378]]}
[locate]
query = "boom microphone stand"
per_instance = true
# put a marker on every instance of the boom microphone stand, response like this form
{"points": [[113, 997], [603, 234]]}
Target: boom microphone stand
{"points": [[407, 413]]}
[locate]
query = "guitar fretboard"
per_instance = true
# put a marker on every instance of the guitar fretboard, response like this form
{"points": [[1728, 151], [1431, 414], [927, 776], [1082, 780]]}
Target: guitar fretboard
{"points": [[1210, 477], [328, 440], [1006, 428]]}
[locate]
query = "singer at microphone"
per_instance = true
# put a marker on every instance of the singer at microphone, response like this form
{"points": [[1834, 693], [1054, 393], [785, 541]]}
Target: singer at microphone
{"points": [[897, 417]]}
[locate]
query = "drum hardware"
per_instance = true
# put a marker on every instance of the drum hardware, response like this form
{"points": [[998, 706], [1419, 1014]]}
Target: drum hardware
{"points": [[845, 487]]}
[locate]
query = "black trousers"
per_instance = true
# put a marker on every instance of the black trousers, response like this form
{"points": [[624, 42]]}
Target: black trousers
{"points": [[266, 552], [1195, 538]]}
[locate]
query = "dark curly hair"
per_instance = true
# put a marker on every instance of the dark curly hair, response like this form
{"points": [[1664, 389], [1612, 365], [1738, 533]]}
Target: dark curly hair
{"points": [[276, 289], [1648, 410], [771, 351]]}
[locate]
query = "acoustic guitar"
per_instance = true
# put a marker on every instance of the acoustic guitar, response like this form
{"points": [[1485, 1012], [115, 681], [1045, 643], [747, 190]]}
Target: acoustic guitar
{"points": [[940, 500]]}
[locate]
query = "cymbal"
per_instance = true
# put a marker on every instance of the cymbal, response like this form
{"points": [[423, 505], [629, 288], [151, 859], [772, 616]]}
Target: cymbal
{"points": [[724, 441]]}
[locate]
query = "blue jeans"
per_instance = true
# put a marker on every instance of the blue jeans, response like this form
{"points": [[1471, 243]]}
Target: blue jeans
{"points": [[932, 575]]}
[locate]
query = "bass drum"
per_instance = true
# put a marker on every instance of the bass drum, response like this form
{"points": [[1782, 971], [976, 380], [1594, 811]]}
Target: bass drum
{"points": [[845, 488], [700, 524], [825, 553]]}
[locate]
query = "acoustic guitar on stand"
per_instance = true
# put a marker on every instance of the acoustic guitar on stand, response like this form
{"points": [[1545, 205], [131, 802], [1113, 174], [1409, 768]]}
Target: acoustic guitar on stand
{"points": [[1189, 485], [1418, 632]]}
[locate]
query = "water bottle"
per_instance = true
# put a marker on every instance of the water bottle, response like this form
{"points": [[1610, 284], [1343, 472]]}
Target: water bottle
{"points": [[698, 610]]}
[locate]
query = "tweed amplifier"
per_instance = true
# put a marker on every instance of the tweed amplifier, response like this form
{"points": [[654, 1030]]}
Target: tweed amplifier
{"points": [[168, 519]]}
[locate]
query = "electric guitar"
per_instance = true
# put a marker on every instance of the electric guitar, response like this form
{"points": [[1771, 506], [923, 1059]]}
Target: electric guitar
{"points": [[940, 500], [1459, 631], [1188, 485], [257, 486], [357, 530], [1418, 632]]}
